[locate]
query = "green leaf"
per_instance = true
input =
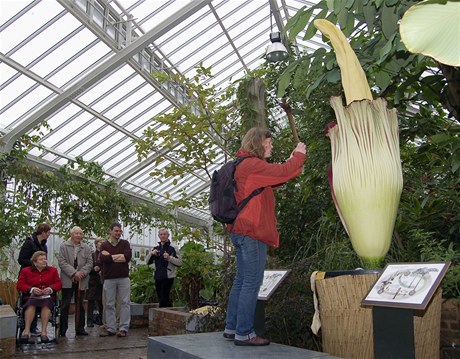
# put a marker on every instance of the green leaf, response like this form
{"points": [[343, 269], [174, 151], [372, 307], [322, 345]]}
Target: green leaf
{"points": [[332, 17], [382, 80], [455, 163], [389, 21], [339, 6], [284, 81], [298, 23], [350, 26], [315, 85], [331, 63], [385, 50], [378, 3], [311, 30], [333, 76], [433, 29], [343, 17], [369, 16], [439, 138], [349, 4], [301, 73]]}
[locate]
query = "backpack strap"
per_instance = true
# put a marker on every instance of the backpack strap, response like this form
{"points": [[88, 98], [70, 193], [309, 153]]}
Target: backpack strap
{"points": [[245, 201]]}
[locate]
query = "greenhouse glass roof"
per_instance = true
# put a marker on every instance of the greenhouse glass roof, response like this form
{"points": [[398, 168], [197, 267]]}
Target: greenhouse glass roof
{"points": [[84, 66]]}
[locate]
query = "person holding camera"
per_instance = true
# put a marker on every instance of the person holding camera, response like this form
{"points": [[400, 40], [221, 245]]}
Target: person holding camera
{"points": [[167, 258]]}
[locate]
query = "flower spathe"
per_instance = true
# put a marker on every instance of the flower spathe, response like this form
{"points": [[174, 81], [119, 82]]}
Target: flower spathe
{"points": [[366, 174]]}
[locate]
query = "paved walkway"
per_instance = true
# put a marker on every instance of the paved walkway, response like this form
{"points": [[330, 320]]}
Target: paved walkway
{"points": [[90, 347]]}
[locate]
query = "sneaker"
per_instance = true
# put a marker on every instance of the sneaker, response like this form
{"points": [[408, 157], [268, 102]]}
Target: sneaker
{"points": [[254, 341], [106, 333], [122, 333], [229, 336]]}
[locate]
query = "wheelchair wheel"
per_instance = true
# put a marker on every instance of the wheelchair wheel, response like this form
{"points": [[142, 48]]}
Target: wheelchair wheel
{"points": [[56, 333], [18, 335], [20, 325]]}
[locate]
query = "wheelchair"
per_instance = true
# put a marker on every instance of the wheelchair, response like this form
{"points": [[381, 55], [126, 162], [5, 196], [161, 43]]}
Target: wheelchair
{"points": [[21, 322]]}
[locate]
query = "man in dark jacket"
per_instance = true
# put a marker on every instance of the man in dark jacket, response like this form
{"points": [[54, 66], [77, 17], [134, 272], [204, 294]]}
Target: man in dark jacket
{"points": [[36, 242]]}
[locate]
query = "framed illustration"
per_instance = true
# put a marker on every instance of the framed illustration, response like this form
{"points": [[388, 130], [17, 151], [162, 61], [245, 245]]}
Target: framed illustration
{"points": [[406, 285], [272, 279]]}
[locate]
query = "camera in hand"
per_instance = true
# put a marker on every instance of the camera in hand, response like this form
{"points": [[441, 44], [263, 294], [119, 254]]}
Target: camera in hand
{"points": [[158, 250]]}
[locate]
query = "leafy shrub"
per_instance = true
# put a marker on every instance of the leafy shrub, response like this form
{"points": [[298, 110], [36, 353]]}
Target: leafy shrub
{"points": [[142, 284]]}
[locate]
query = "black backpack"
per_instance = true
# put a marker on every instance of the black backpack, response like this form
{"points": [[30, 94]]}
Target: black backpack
{"points": [[222, 201]]}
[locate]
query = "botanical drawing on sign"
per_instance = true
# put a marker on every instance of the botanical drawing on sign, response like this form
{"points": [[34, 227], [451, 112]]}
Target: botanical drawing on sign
{"points": [[406, 285], [272, 279]]}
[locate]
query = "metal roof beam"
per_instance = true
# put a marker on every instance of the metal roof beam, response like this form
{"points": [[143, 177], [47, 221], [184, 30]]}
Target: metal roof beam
{"points": [[88, 22], [141, 165], [100, 72], [57, 90], [275, 11]]}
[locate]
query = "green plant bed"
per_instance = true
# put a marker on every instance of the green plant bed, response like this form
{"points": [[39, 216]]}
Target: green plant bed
{"points": [[142, 285]]}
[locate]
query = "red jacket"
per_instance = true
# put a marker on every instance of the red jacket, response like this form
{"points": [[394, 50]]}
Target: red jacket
{"points": [[31, 277], [257, 220]]}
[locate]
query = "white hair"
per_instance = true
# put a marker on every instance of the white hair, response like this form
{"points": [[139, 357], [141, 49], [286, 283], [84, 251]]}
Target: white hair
{"points": [[74, 229], [164, 230]]}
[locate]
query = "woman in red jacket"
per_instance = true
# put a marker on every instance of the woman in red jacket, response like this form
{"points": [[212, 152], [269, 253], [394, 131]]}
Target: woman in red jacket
{"points": [[255, 228], [39, 283]]}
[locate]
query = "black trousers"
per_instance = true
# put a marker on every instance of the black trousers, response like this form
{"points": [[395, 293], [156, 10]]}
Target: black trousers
{"points": [[163, 288], [79, 310], [100, 308]]}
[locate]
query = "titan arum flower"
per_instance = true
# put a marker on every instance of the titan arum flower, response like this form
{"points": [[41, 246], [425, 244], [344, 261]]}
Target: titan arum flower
{"points": [[366, 175]]}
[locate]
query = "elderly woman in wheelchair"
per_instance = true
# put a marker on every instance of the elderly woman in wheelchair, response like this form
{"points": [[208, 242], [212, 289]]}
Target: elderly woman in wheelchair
{"points": [[39, 285]]}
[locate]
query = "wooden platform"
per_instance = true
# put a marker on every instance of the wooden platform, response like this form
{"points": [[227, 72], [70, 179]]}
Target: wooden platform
{"points": [[214, 346]]}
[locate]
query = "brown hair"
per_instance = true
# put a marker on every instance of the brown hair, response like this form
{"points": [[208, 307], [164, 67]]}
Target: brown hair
{"points": [[115, 224], [37, 254], [43, 228], [253, 141]]}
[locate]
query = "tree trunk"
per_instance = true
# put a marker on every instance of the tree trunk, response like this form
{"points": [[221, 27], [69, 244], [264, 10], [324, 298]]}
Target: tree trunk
{"points": [[256, 103]]}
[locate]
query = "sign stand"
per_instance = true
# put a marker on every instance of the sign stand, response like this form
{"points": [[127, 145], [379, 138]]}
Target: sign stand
{"points": [[259, 318], [272, 279], [401, 289], [393, 333]]}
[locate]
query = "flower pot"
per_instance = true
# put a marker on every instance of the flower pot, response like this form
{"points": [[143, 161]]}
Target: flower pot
{"points": [[8, 292], [346, 325]]}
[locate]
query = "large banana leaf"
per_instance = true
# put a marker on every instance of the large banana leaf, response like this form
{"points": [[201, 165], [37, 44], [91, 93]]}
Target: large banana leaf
{"points": [[432, 28]]}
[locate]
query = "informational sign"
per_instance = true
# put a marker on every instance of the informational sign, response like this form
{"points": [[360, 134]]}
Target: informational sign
{"points": [[272, 279], [406, 285]]}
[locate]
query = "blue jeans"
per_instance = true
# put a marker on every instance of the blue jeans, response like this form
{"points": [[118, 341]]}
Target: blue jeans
{"points": [[251, 256]]}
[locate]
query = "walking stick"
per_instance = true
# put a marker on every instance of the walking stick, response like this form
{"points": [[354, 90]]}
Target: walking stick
{"points": [[287, 108], [77, 307]]}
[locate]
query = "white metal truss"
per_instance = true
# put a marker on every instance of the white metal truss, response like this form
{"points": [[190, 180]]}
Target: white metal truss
{"points": [[101, 96]]}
